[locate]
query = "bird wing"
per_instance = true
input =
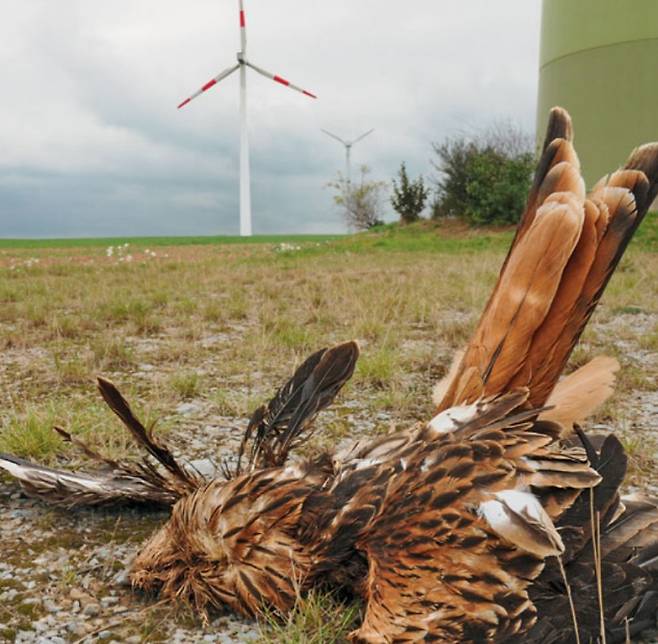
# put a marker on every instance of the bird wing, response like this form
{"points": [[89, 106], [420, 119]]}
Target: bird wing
{"points": [[115, 486], [450, 531], [286, 421], [159, 479], [566, 247], [625, 571]]}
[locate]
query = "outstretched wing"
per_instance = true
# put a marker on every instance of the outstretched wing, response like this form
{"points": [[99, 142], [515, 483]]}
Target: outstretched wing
{"points": [[619, 567], [566, 247], [158, 480], [113, 486]]}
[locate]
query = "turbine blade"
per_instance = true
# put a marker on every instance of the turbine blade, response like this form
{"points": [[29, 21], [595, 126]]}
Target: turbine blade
{"points": [[210, 83], [333, 136], [363, 136], [279, 79], [243, 29]]}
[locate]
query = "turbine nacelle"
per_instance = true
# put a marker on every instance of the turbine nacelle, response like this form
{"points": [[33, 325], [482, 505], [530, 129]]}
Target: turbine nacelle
{"points": [[348, 149]]}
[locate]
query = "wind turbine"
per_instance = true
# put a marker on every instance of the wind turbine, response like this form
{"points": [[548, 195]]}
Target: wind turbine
{"points": [[242, 64], [348, 149]]}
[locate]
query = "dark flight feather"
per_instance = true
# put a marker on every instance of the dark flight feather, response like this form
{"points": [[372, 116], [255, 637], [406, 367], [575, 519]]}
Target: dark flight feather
{"points": [[276, 428]]}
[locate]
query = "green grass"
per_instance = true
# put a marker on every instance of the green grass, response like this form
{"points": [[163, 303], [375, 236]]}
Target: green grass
{"points": [[186, 384], [91, 242], [423, 236], [647, 235], [317, 618]]}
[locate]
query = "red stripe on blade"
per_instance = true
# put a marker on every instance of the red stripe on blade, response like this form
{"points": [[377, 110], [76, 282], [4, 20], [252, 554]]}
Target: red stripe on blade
{"points": [[242, 20], [185, 102], [308, 94], [283, 81], [208, 85]]}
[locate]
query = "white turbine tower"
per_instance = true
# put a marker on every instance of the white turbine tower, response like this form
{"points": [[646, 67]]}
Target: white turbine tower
{"points": [[348, 150], [242, 64]]}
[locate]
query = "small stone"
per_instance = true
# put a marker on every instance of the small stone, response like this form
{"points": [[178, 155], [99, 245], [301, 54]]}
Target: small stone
{"points": [[226, 639], [81, 597], [179, 636], [76, 593], [76, 628], [188, 408], [106, 602], [91, 610], [31, 601], [133, 639], [104, 552], [50, 606], [104, 635], [122, 578]]}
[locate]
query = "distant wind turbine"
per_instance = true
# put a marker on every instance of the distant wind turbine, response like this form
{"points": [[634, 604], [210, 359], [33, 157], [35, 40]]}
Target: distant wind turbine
{"points": [[348, 150], [242, 64]]}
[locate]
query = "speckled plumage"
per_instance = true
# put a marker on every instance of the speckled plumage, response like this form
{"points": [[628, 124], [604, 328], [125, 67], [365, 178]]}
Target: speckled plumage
{"points": [[458, 529]]}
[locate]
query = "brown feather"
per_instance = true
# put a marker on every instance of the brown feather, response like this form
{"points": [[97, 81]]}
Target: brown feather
{"points": [[276, 428], [561, 307], [186, 479], [528, 329], [579, 394], [528, 288]]}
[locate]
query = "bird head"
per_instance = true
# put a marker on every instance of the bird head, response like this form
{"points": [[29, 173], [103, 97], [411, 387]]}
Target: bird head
{"points": [[232, 543]]}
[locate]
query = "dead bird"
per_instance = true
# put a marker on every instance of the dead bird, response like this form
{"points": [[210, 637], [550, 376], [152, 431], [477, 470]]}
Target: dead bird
{"points": [[498, 520]]}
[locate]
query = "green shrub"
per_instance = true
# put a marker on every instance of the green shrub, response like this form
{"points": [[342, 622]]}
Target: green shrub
{"points": [[409, 197], [497, 188], [483, 179]]}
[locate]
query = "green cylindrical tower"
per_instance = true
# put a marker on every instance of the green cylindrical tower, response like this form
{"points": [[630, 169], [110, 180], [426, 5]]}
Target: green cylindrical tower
{"points": [[599, 60]]}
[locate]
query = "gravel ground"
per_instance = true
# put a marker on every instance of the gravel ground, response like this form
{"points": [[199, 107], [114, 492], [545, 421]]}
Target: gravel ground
{"points": [[63, 578]]}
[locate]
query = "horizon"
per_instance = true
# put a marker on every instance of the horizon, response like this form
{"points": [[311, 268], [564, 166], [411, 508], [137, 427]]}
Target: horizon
{"points": [[107, 153]]}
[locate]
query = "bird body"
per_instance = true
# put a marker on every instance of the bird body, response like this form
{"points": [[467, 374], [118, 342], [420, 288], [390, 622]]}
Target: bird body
{"points": [[497, 520]]}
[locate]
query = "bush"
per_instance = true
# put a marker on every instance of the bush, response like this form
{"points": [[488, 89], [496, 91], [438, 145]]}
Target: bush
{"points": [[360, 201], [409, 197], [484, 179]]}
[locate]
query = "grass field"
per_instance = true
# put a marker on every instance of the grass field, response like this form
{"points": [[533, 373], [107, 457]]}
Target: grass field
{"points": [[211, 328], [143, 242]]}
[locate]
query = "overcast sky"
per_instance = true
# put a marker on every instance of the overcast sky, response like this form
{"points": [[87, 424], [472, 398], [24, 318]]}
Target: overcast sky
{"points": [[91, 143]]}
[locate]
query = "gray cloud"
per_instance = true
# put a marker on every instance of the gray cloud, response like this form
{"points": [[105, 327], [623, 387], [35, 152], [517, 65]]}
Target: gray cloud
{"points": [[92, 143]]}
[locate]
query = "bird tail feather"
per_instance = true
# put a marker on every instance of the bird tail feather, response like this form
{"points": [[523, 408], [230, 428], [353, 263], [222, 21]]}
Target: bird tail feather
{"points": [[566, 247]]}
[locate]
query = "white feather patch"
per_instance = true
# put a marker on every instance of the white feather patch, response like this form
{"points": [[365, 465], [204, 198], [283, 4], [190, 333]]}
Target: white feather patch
{"points": [[14, 469], [450, 419], [519, 517], [31, 474]]}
